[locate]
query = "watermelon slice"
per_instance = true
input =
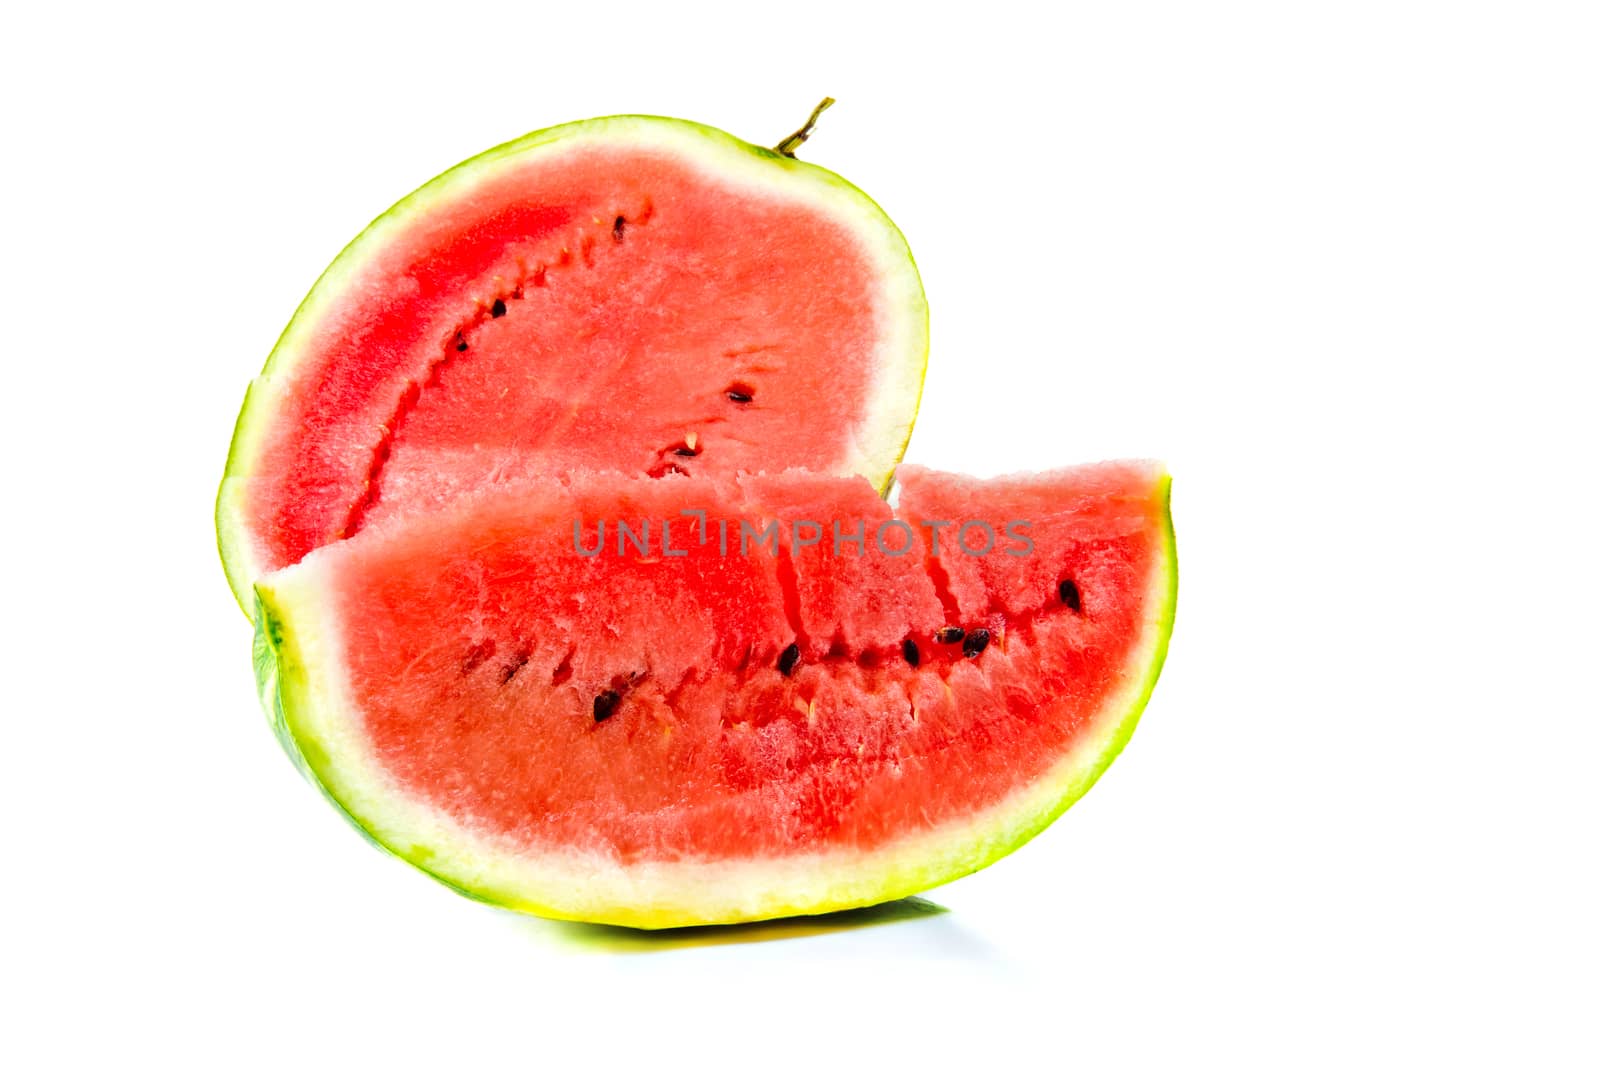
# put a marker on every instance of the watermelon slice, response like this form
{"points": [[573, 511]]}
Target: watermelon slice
{"points": [[678, 701], [631, 293]]}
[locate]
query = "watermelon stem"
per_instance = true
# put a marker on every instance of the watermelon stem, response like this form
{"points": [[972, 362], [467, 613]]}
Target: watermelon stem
{"points": [[789, 144]]}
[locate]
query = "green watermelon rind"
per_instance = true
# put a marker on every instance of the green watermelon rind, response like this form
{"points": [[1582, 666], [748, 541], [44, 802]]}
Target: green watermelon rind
{"points": [[906, 381], [267, 648], [296, 691]]}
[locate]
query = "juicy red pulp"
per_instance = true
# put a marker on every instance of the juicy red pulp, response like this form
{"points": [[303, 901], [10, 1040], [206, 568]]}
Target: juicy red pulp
{"points": [[714, 705], [611, 309]]}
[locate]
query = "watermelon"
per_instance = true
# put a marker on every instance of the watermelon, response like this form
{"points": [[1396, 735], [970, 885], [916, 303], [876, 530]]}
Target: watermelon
{"points": [[630, 293], [660, 702]]}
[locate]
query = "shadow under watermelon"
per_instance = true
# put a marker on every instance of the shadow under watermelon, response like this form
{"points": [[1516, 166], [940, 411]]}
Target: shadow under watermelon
{"points": [[625, 939]]}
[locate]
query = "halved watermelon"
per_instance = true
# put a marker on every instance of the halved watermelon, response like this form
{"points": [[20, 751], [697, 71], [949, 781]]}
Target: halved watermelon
{"points": [[630, 293], [665, 702]]}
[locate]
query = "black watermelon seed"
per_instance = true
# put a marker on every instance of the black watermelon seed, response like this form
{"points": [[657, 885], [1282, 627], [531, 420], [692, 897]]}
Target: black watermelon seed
{"points": [[787, 660], [617, 227], [461, 343], [498, 308], [685, 450], [477, 654], [605, 705], [976, 642], [913, 656], [1069, 595], [949, 635], [509, 671], [739, 396]]}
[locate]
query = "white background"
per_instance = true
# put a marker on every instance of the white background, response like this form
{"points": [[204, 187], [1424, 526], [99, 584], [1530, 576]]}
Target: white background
{"points": [[1338, 264]]}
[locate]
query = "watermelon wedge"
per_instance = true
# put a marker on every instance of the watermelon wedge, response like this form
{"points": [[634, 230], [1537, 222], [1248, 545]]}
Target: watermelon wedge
{"points": [[659, 702], [631, 293]]}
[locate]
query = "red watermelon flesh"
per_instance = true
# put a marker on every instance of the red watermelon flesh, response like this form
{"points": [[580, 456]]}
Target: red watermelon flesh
{"points": [[656, 739], [635, 294]]}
